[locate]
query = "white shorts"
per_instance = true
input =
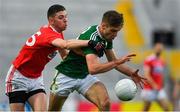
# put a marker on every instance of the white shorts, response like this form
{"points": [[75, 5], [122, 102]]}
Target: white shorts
{"points": [[151, 95], [64, 85], [15, 81]]}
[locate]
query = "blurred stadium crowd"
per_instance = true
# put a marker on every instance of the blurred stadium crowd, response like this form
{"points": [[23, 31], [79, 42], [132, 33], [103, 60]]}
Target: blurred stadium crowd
{"points": [[146, 22]]}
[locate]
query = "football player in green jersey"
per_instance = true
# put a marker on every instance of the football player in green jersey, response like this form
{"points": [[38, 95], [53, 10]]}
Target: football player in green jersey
{"points": [[77, 71]]}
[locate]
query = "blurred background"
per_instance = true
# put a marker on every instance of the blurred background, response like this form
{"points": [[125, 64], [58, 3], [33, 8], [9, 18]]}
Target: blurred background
{"points": [[146, 22]]}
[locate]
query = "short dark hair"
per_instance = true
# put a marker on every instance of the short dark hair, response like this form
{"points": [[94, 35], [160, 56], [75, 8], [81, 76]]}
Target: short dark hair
{"points": [[113, 18], [54, 9]]}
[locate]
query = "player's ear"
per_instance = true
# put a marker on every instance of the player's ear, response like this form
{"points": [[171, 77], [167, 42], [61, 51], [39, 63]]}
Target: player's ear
{"points": [[103, 25], [51, 20]]}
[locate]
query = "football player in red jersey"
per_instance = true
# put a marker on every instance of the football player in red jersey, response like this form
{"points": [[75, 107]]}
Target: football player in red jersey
{"points": [[154, 72], [24, 81]]}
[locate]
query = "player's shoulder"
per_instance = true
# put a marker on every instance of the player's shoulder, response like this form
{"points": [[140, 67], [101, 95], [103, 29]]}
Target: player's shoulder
{"points": [[92, 28], [44, 27], [150, 58], [88, 32], [47, 30]]}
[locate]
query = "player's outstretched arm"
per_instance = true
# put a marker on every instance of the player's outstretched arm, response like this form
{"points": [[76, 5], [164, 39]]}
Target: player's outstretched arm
{"points": [[69, 44], [73, 43], [110, 54], [95, 67]]}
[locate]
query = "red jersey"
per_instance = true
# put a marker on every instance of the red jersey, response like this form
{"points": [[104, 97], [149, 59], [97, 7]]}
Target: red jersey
{"points": [[37, 52], [156, 66]]}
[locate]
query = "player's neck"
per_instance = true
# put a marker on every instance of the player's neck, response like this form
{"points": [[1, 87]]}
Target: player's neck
{"points": [[55, 29], [157, 55]]}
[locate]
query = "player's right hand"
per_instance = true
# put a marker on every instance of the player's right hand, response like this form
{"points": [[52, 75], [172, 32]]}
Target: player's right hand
{"points": [[125, 59], [138, 79]]}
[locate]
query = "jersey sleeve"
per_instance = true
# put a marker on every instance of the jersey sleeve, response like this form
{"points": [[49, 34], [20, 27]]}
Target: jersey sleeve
{"points": [[86, 50], [52, 37], [147, 63], [86, 36], [55, 36], [109, 45]]}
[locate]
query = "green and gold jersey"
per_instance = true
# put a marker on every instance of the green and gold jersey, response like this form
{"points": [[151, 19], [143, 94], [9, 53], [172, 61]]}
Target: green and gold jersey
{"points": [[75, 65]]}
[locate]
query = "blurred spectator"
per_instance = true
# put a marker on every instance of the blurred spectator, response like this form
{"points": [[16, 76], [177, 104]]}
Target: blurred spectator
{"points": [[153, 70], [176, 95]]}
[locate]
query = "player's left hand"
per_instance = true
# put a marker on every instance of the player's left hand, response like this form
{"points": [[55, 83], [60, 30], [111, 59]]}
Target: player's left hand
{"points": [[139, 80]]}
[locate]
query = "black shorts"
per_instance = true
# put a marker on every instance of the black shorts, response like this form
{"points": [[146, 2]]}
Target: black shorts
{"points": [[22, 96]]}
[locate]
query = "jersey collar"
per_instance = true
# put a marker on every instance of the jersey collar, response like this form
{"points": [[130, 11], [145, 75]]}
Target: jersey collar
{"points": [[53, 28], [97, 28]]}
